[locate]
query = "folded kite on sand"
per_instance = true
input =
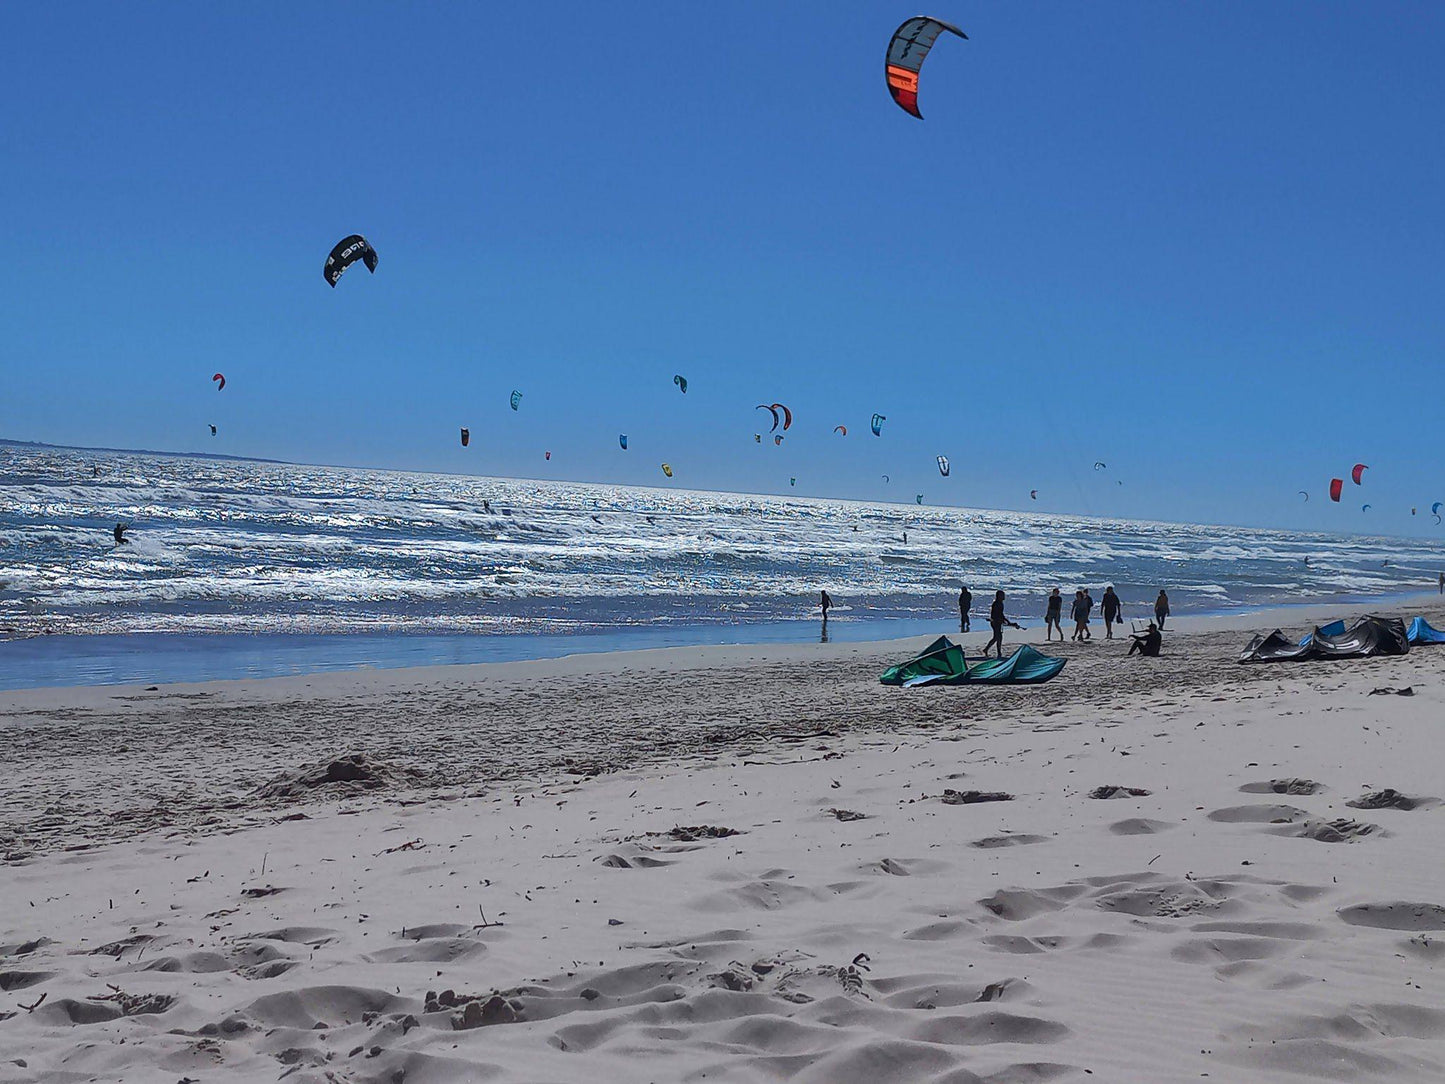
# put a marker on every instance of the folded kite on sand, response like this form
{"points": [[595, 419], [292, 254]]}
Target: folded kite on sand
{"points": [[942, 663], [1421, 632], [1367, 637]]}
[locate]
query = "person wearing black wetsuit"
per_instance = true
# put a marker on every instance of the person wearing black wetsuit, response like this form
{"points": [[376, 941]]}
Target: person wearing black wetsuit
{"points": [[1113, 611], [1052, 614], [997, 620], [1148, 643], [827, 604], [965, 603], [120, 538]]}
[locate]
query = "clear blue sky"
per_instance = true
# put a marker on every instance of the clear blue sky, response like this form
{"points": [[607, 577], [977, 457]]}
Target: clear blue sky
{"points": [[1200, 242]]}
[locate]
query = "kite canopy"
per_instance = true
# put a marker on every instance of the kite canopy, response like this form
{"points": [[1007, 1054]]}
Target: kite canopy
{"points": [[1101, 466], [1305, 495], [1336, 485], [778, 439], [347, 251], [1435, 508], [466, 436], [907, 50], [220, 380], [1033, 494], [918, 498], [1367, 637], [213, 430], [885, 479], [943, 465], [547, 455], [841, 429], [517, 399], [667, 469], [681, 382], [1356, 471], [622, 440], [878, 420], [792, 481], [1364, 507]]}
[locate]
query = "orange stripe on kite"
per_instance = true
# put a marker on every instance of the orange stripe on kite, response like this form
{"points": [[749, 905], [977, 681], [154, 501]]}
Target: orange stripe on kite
{"points": [[902, 79]]}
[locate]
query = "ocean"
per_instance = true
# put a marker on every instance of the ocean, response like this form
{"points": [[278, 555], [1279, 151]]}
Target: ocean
{"points": [[449, 568]]}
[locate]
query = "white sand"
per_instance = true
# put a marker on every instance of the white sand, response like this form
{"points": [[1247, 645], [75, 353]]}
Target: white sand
{"points": [[1206, 930]]}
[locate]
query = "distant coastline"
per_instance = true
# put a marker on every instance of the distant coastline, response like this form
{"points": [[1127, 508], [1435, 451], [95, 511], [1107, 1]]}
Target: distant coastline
{"points": [[4, 443]]}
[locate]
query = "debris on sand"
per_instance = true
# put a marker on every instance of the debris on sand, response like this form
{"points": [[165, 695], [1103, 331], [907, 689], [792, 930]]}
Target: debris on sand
{"points": [[692, 833], [1119, 792], [847, 814], [973, 797], [1408, 690], [351, 774], [477, 1010]]}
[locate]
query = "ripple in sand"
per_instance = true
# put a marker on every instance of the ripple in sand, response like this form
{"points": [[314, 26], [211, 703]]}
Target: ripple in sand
{"points": [[1258, 814]]}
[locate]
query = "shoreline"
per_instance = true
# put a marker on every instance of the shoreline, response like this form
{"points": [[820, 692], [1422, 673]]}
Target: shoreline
{"points": [[161, 658]]}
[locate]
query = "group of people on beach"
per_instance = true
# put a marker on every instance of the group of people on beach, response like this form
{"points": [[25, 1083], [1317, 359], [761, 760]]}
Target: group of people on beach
{"points": [[1145, 643]]}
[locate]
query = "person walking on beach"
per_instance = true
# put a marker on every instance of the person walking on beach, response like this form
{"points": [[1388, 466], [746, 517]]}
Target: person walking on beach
{"points": [[1161, 608], [1077, 613], [965, 603], [997, 619], [1113, 611], [1051, 616], [1442, 583], [827, 604], [1147, 644], [1088, 612]]}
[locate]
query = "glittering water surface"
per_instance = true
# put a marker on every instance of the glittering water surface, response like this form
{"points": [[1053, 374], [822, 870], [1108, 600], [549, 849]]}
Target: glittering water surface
{"points": [[245, 547]]}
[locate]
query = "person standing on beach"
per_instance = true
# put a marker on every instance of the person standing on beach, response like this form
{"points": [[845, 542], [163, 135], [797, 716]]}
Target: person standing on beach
{"points": [[965, 603], [827, 604], [1442, 583], [1088, 612], [1113, 611], [1051, 616], [1161, 608], [1077, 613], [997, 619]]}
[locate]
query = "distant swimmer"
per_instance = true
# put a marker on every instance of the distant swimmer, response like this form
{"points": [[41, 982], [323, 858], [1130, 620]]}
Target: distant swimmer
{"points": [[95, 471], [487, 507], [596, 519], [651, 519], [120, 538]]}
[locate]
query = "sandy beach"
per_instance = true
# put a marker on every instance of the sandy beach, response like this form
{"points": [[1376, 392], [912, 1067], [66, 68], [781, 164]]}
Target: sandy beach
{"points": [[733, 864]]}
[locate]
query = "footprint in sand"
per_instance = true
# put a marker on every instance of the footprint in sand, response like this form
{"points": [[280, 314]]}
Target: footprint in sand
{"points": [[1140, 826], [1284, 786], [1396, 915], [1259, 814], [989, 843], [1389, 798]]}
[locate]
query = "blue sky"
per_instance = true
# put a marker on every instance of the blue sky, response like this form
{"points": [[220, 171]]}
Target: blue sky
{"points": [[1198, 242]]}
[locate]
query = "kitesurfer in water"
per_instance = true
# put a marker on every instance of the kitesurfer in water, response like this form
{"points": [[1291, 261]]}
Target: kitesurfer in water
{"points": [[1051, 615], [1148, 643], [1113, 611], [965, 604], [120, 538], [1161, 607], [487, 507], [997, 619]]}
